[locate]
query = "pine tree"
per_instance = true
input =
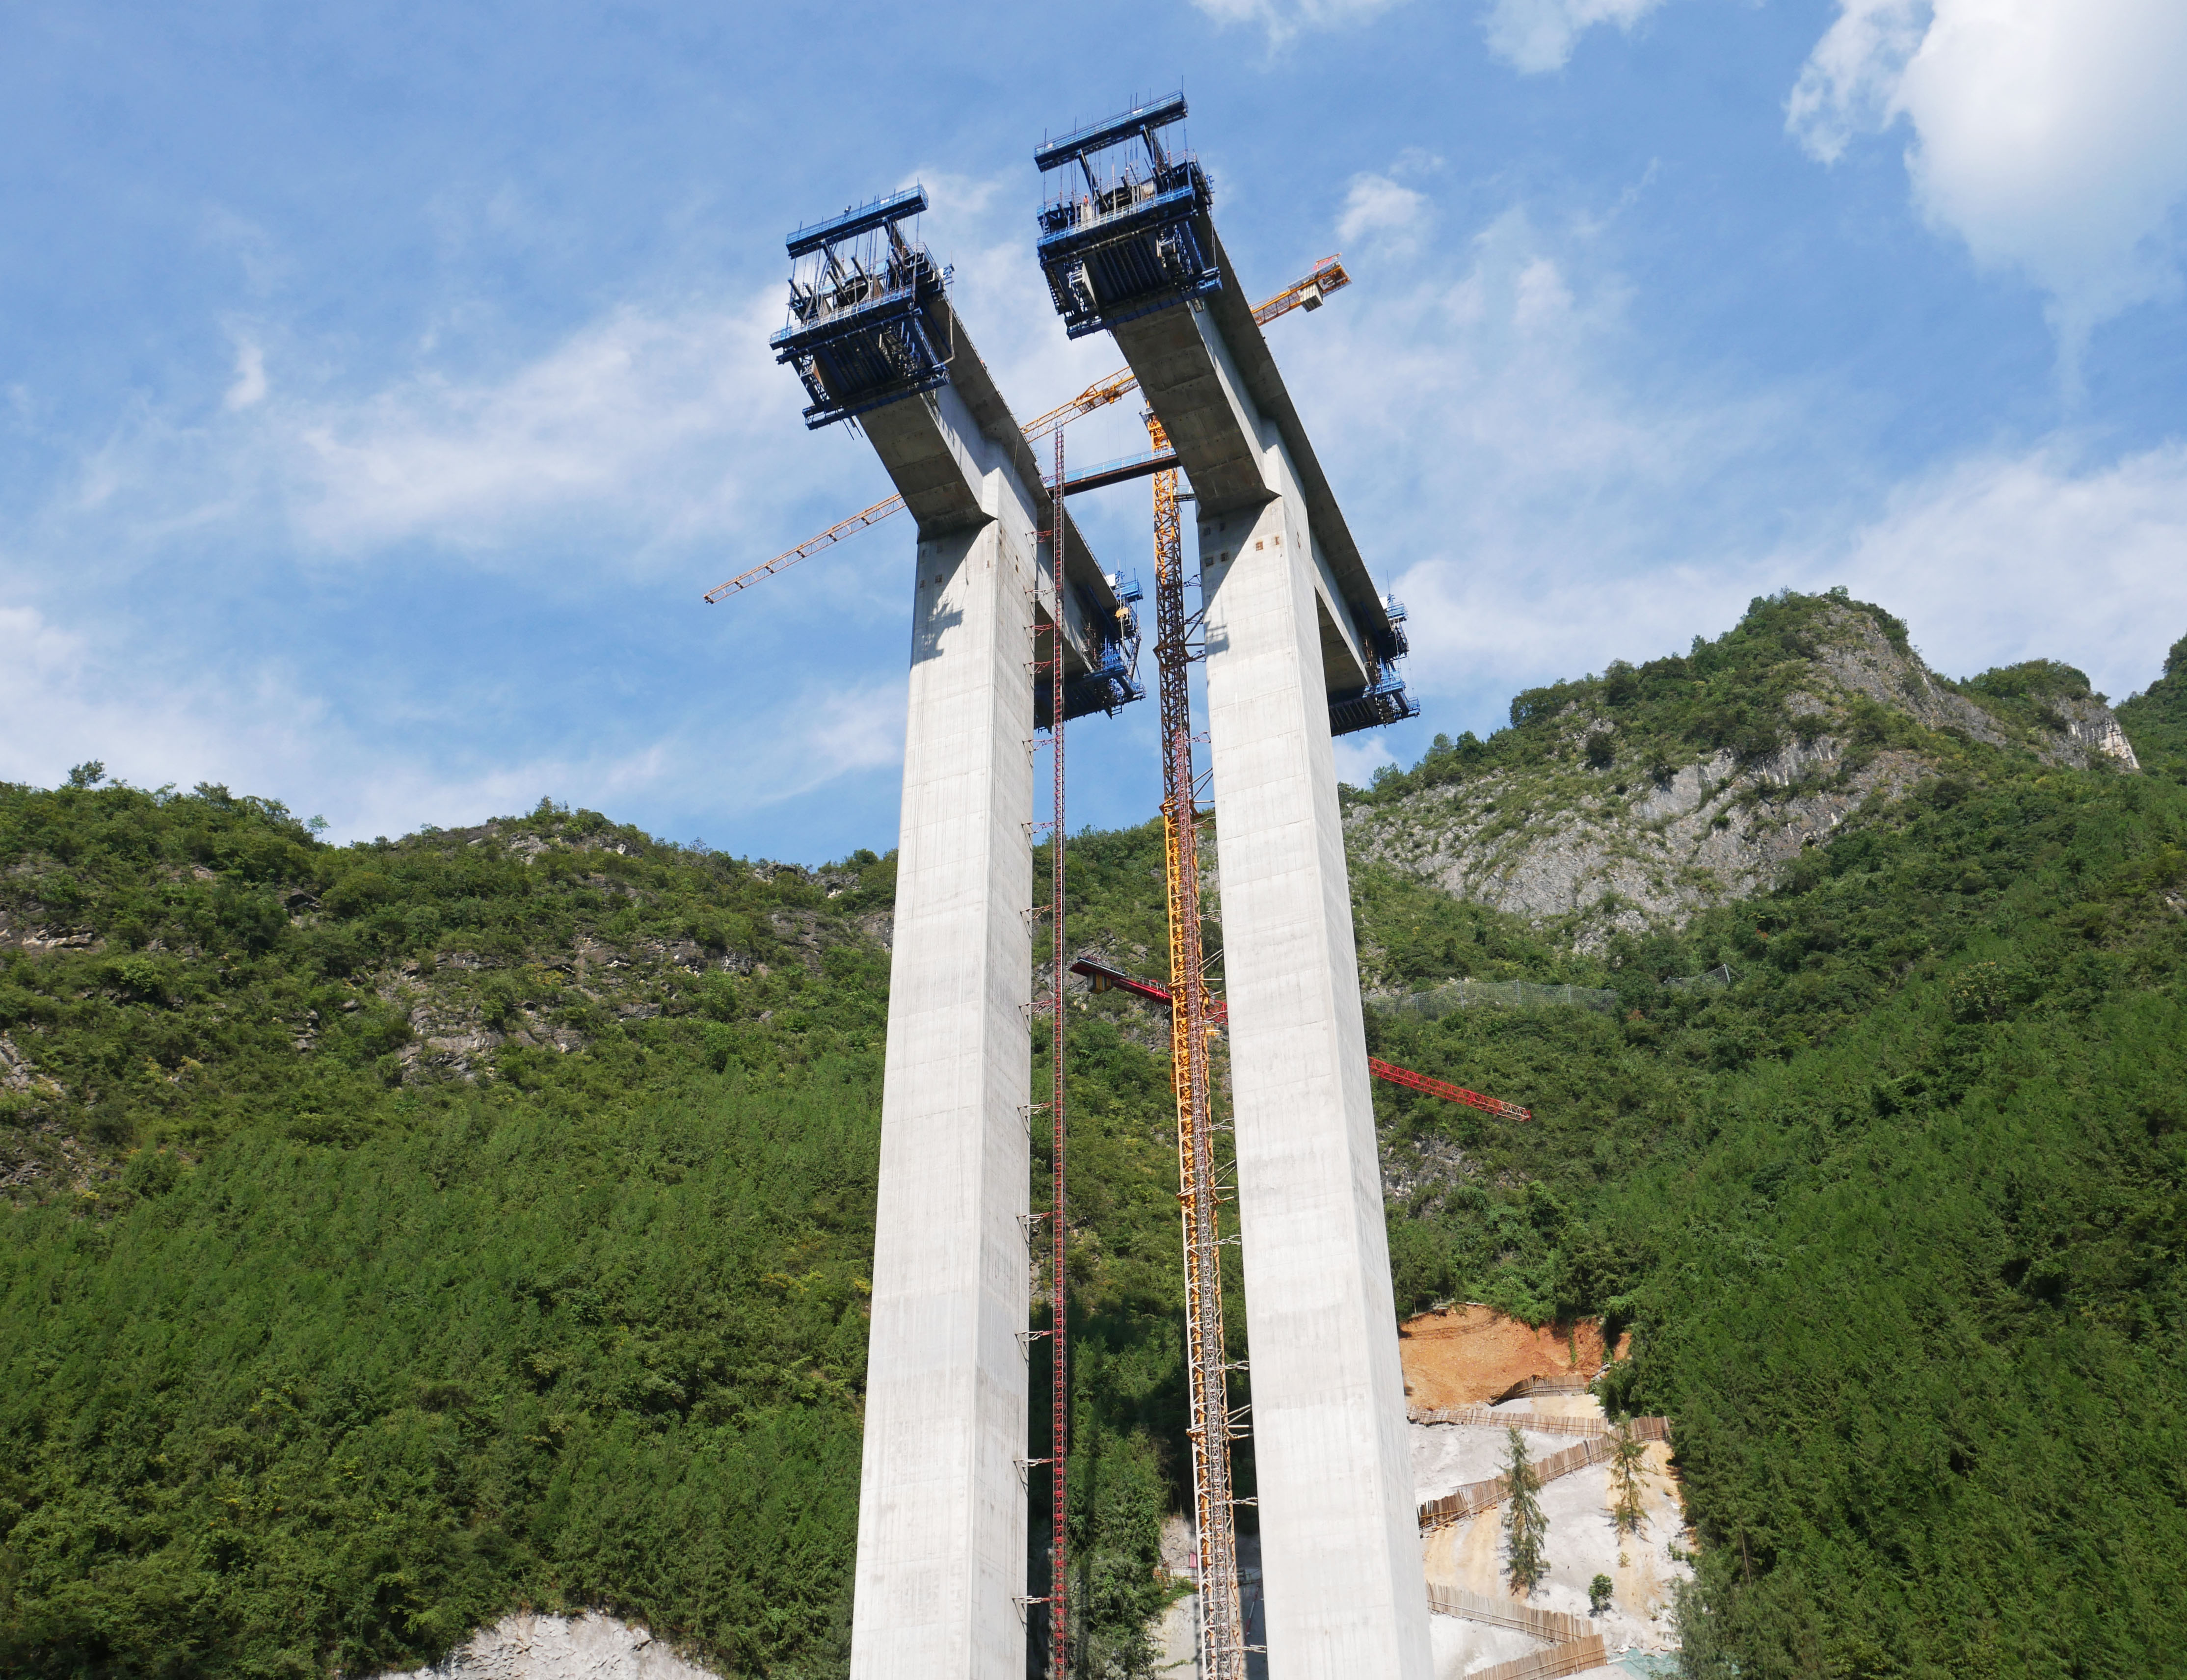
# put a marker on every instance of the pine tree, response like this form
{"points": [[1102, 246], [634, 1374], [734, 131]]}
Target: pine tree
{"points": [[1628, 1475], [1525, 1527]]}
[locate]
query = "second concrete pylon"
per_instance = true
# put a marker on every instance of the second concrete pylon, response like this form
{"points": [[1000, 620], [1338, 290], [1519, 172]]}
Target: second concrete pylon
{"points": [[1298, 646], [1340, 1546]]}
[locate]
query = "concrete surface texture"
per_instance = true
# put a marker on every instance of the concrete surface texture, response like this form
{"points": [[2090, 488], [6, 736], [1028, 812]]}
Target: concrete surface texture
{"points": [[1582, 1543], [1340, 1543], [587, 1647], [942, 1515]]}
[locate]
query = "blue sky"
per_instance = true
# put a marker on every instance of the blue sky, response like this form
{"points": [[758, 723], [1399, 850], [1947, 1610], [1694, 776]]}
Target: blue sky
{"points": [[381, 387]]}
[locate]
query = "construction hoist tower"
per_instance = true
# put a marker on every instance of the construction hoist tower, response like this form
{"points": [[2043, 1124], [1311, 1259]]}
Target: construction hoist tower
{"points": [[1002, 624], [1298, 645]]}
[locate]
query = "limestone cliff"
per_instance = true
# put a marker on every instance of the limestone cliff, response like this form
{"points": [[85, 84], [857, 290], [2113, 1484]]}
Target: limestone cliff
{"points": [[1637, 798]]}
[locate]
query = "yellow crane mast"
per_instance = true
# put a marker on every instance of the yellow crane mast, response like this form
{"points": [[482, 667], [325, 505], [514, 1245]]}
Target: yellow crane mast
{"points": [[1192, 1025], [1222, 1632]]}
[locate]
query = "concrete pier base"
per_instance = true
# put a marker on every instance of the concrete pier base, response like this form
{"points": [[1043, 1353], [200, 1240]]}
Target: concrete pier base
{"points": [[1339, 1548]]}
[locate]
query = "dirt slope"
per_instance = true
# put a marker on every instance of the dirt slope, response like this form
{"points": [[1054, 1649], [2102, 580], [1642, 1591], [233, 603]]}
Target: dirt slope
{"points": [[1468, 1354]]}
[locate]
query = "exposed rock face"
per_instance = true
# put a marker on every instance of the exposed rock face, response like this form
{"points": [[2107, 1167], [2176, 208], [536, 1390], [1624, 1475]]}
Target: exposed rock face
{"points": [[1610, 848], [1857, 659], [589, 1647], [1659, 853], [2091, 728], [16, 1073]]}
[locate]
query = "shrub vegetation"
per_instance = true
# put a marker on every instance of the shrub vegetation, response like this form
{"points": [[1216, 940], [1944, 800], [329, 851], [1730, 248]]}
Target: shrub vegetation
{"points": [[322, 1342]]}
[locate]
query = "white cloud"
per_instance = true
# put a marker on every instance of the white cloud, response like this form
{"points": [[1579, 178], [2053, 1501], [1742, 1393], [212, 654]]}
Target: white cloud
{"points": [[250, 386], [1534, 36], [654, 428], [1991, 560], [1285, 19], [1502, 473], [1545, 499], [262, 728], [1849, 85], [1375, 204], [2049, 135], [67, 701], [633, 419], [1999, 559], [664, 433]]}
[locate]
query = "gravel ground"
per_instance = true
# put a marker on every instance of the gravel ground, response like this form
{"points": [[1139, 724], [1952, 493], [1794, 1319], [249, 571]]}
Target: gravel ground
{"points": [[1582, 1544], [589, 1647]]}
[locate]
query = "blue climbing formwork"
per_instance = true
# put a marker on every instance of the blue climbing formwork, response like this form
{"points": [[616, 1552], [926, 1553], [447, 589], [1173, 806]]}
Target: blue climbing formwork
{"points": [[1121, 220], [1381, 702], [1392, 642], [1111, 677], [860, 333]]}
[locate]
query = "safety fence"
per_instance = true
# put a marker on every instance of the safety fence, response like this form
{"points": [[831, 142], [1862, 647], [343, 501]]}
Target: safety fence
{"points": [[1576, 1657], [1720, 975], [1527, 1385], [1484, 1416], [1476, 1496], [1510, 994], [1554, 1625]]}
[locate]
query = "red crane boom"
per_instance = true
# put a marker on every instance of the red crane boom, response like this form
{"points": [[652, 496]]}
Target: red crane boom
{"points": [[1107, 979]]}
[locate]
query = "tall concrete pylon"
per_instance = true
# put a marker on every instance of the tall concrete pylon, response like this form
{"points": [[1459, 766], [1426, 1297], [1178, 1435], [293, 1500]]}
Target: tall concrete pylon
{"points": [[941, 1557], [1298, 643]]}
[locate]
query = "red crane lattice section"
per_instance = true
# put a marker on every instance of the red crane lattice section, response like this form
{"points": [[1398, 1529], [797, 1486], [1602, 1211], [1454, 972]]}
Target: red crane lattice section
{"points": [[1106, 979]]}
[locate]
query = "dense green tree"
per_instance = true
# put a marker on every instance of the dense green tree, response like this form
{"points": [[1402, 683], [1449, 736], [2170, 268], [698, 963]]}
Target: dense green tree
{"points": [[1526, 1529]]}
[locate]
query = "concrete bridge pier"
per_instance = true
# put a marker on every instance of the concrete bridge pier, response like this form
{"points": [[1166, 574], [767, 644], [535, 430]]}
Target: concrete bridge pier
{"points": [[873, 336], [1339, 1548], [941, 1516]]}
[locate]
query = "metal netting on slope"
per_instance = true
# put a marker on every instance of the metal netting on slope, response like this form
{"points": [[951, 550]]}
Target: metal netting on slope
{"points": [[1509, 994], [1720, 975]]}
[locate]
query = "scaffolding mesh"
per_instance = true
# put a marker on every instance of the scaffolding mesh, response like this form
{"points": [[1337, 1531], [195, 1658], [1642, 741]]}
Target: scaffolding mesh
{"points": [[1507, 994]]}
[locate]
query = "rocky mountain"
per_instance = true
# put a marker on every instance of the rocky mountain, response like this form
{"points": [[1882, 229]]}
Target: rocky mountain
{"points": [[1630, 799]]}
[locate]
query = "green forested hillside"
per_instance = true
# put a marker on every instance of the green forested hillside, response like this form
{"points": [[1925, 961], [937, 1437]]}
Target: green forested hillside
{"points": [[313, 1352], [402, 1233]]}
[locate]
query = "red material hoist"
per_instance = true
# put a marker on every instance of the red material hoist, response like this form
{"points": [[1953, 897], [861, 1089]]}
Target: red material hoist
{"points": [[1107, 979]]}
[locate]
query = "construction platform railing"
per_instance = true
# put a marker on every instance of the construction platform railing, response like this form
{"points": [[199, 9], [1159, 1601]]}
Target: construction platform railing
{"points": [[1128, 244], [859, 334]]}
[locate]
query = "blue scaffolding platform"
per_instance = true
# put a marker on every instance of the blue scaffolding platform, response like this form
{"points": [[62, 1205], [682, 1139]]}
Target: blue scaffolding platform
{"points": [[859, 334], [1113, 679], [1391, 643], [1381, 702], [1129, 244]]}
